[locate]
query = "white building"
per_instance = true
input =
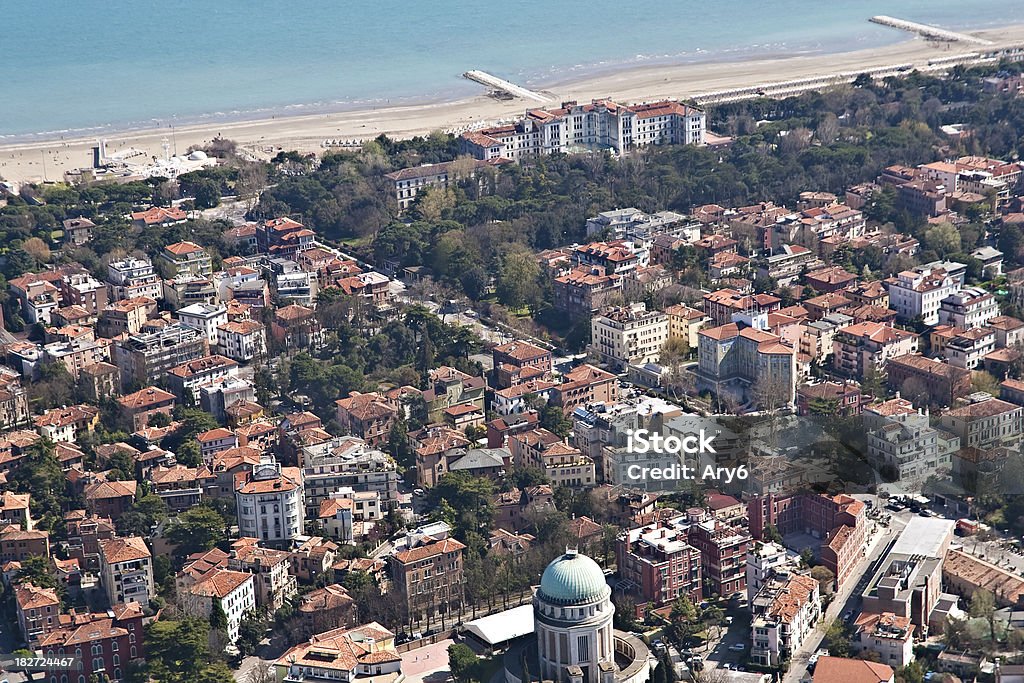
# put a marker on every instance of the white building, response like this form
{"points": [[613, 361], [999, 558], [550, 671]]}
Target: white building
{"points": [[920, 292], [242, 340], [204, 317], [126, 570], [234, 591], [269, 502], [762, 561], [901, 441], [785, 610], [576, 642], [627, 336], [133, 277], [968, 308], [888, 635], [602, 124]]}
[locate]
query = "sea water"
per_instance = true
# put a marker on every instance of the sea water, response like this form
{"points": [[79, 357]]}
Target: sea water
{"points": [[83, 68]]}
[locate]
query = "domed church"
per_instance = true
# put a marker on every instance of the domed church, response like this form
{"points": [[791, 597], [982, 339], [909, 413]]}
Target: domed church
{"points": [[574, 641]]}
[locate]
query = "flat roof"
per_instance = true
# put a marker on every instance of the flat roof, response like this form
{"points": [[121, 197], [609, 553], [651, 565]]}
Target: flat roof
{"points": [[503, 626], [924, 536]]}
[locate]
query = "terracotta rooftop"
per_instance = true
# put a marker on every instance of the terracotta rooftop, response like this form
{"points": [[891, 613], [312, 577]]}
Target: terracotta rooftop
{"points": [[144, 399], [127, 549]]}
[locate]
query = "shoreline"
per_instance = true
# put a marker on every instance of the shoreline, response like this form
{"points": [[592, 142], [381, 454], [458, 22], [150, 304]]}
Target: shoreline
{"points": [[23, 161]]}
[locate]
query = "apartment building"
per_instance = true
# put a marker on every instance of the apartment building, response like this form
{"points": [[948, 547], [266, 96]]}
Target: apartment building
{"points": [[407, 183], [919, 293], [368, 416], [908, 580], [234, 592], [364, 654], [449, 388], [602, 124], [186, 380], [785, 612], [242, 340], [204, 317], [968, 308], [126, 570], [145, 358], [139, 407], [296, 327], [429, 578], [126, 316], [64, 425], [269, 502], [985, 422], [583, 385], [82, 289], [624, 336], [346, 461], [684, 323], [968, 349], [902, 443], [131, 278], [583, 291], [723, 304], [37, 610], [564, 465], [112, 639], [519, 361], [38, 296], [862, 347], [763, 561], [742, 357], [840, 521], [943, 383], [887, 635], [658, 564], [187, 258]]}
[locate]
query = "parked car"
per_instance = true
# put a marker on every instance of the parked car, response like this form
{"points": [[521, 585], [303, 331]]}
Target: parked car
{"points": [[738, 647]]}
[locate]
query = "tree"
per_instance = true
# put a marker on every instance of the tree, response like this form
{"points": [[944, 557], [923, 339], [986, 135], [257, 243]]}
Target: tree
{"points": [[37, 249], [943, 238], [463, 662], [837, 639], [218, 619], [207, 193], [825, 578], [807, 556], [196, 530], [218, 672], [911, 673], [176, 650], [517, 276], [982, 380], [250, 633], [554, 420], [983, 606], [683, 617], [36, 570]]}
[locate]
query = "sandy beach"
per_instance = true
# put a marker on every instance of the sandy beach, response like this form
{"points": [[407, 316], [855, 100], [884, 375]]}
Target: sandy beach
{"points": [[21, 162]]}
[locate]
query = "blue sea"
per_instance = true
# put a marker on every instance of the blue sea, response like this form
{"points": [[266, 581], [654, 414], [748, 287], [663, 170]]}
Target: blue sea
{"points": [[79, 68]]}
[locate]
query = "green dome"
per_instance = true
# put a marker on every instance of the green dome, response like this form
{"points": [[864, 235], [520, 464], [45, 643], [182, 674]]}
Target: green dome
{"points": [[572, 578]]}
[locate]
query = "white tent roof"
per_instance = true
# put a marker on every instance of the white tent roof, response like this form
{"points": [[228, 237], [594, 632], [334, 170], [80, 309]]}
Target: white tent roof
{"points": [[503, 626]]}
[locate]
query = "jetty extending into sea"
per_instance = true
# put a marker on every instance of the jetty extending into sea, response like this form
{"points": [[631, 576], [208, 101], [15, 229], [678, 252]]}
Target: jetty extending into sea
{"points": [[927, 31], [501, 85]]}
